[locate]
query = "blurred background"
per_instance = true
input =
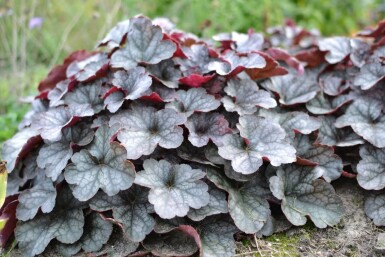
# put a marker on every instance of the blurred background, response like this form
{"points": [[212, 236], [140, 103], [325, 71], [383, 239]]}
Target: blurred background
{"points": [[37, 34]]}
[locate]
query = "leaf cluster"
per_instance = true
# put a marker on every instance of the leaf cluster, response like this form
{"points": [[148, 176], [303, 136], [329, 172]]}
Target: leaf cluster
{"points": [[161, 142]]}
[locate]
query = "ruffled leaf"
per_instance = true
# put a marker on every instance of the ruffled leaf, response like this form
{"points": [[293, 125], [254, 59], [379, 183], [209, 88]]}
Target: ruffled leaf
{"points": [[193, 100], [174, 243], [327, 163], [244, 97], [233, 63], [366, 119], [217, 204], [17, 147], [247, 204], [130, 208], [207, 126], [144, 128], [40, 196], [294, 89], [53, 157], [371, 168], [329, 135], [65, 224], [370, 75], [375, 208], [304, 194], [144, 44], [103, 165], [174, 188], [259, 137], [337, 47]]}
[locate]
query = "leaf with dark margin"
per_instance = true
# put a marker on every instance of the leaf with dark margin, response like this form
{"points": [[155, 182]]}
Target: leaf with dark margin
{"points": [[274, 225], [294, 89], [65, 223], [31, 169], [232, 63], [217, 238], [337, 47], [207, 126], [191, 153], [304, 194], [97, 231], [197, 61], [53, 157], [370, 75], [328, 163], [211, 154], [58, 92], [247, 204], [115, 36], [329, 135], [217, 204], [14, 182], [117, 246], [89, 69], [365, 117], [323, 104], [259, 137], [76, 66], [144, 128], [56, 248], [280, 54], [58, 73], [166, 73], [40, 196], [130, 208], [214, 236], [242, 43], [51, 122], [86, 95], [37, 107], [174, 243], [159, 93], [193, 100], [16, 147], [360, 51], [174, 188], [144, 44], [232, 174], [292, 122], [244, 97], [166, 225], [134, 82], [103, 165], [114, 101], [371, 168], [375, 208], [334, 83]]}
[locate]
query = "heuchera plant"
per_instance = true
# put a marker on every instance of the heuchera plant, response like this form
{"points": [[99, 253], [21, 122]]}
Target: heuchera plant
{"points": [[161, 142]]}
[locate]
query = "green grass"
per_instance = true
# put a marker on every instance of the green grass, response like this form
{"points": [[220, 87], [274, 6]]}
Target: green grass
{"points": [[26, 55]]}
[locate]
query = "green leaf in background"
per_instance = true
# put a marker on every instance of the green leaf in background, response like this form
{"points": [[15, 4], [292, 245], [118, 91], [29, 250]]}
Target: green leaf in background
{"points": [[3, 182]]}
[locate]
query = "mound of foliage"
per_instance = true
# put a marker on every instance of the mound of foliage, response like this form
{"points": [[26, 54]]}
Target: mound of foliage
{"points": [[161, 142]]}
